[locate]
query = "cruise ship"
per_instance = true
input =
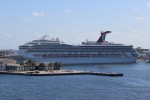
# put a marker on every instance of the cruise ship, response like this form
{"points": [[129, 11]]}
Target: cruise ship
{"points": [[89, 52]]}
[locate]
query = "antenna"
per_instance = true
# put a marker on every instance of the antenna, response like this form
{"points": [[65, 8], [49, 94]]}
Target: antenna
{"points": [[44, 37]]}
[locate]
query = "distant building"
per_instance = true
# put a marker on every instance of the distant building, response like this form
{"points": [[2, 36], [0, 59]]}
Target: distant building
{"points": [[4, 62], [11, 54], [5, 53], [141, 51]]}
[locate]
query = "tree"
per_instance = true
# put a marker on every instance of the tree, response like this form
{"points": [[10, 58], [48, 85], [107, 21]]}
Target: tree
{"points": [[57, 66], [30, 64], [21, 63], [33, 64], [41, 66], [50, 65]]}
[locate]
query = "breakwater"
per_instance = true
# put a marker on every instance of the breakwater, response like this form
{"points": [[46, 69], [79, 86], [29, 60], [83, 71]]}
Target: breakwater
{"points": [[61, 73]]}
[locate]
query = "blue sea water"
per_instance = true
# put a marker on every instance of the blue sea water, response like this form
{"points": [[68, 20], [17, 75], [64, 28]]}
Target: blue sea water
{"points": [[134, 85]]}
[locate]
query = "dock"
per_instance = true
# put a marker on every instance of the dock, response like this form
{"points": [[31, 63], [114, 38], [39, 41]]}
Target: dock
{"points": [[61, 73]]}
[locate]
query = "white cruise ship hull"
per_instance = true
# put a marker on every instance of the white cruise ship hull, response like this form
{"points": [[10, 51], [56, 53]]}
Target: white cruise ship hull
{"points": [[87, 60]]}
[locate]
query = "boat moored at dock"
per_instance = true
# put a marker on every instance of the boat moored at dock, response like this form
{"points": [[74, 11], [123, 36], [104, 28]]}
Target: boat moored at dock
{"points": [[90, 52]]}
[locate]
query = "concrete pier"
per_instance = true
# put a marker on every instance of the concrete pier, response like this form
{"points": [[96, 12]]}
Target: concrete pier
{"points": [[60, 73]]}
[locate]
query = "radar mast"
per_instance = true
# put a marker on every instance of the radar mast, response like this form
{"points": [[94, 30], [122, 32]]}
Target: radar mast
{"points": [[44, 37]]}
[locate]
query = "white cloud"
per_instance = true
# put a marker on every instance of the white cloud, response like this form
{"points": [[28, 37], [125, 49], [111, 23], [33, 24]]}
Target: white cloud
{"points": [[82, 25], [7, 35], [135, 10], [25, 19], [135, 30], [59, 31], [148, 4], [68, 11], [38, 14], [141, 18], [138, 18]]}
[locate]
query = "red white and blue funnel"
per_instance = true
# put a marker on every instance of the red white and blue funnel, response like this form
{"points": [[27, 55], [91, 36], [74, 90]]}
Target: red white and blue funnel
{"points": [[102, 37]]}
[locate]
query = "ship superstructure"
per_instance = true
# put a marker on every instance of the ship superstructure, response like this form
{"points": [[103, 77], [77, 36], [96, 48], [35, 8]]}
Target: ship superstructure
{"points": [[90, 52]]}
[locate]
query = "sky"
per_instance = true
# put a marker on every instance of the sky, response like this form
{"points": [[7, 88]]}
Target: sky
{"points": [[74, 21]]}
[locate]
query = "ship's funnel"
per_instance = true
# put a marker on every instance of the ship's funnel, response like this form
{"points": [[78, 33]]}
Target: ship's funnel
{"points": [[102, 37]]}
